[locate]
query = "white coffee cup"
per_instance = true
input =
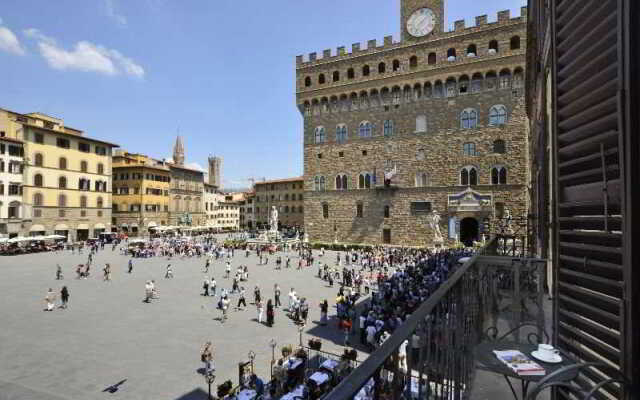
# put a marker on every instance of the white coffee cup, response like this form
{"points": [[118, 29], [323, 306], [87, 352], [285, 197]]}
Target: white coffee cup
{"points": [[547, 351]]}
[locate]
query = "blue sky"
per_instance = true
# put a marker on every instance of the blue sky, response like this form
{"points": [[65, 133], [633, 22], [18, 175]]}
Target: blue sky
{"points": [[221, 71]]}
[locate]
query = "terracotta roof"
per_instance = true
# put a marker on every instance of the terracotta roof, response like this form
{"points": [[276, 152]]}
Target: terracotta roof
{"points": [[72, 135], [298, 179]]}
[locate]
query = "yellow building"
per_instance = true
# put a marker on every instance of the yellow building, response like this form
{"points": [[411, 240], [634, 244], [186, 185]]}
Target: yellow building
{"points": [[140, 193], [66, 178]]}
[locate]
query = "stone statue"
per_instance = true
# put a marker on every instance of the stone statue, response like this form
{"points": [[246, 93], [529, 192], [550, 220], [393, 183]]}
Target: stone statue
{"points": [[508, 218], [273, 219], [434, 223]]}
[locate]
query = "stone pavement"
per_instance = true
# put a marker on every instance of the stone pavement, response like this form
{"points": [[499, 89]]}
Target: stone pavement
{"points": [[108, 335]]}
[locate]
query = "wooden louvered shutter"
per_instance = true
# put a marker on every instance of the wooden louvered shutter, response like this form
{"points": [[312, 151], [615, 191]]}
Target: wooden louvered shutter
{"points": [[591, 269]]}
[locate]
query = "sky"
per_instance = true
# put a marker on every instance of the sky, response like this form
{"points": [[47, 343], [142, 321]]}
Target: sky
{"points": [[219, 72]]}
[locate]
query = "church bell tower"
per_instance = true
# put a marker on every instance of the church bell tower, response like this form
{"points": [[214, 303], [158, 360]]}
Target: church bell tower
{"points": [[178, 152], [421, 19]]}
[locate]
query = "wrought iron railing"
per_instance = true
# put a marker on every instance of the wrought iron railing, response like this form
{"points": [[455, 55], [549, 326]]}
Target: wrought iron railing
{"points": [[488, 296]]}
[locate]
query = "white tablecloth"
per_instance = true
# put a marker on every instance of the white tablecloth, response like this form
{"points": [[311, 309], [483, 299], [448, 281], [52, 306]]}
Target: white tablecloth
{"points": [[319, 377], [330, 364], [298, 392], [246, 394]]}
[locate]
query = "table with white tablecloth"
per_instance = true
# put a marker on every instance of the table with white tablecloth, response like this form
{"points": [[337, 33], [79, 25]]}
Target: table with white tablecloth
{"points": [[246, 394], [297, 392]]}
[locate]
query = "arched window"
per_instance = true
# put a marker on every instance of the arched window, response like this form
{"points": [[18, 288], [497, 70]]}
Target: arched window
{"points": [[100, 203], [319, 183], [451, 54], [438, 91], [498, 115], [307, 108], [38, 199], [341, 182], [476, 83], [407, 96], [499, 146], [491, 80], [354, 101], [468, 176], [336, 76], [307, 81], [505, 79], [320, 135], [365, 129], [396, 65], [62, 163], [351, 73], [37, 180], [493, 47], [469, 119], [472, 50], [345, 182], [421, 123], [388, 128], [498, 175], [463, 84], [422, 179], [62, 182], [100, 168], [365, 70], [515, 43], [451, 87], [387, 211], [396, 94], [428, 90], [83, 166], [62, 200], [341, 133], [382, 67], [321, 79], [325, 210], [517, 78], [413, 62], [83, 201], [364, 181], [359, 210], [38, 160], [431, 59]]}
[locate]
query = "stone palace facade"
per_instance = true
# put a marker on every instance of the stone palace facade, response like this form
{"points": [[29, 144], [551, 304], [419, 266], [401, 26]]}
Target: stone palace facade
{"points": [[439, 113]]}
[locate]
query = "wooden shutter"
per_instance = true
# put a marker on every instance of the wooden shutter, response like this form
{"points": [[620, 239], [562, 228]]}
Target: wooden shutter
{"points": [[590, 234]]}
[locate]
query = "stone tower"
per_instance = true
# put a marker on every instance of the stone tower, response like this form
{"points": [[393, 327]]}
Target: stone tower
{"points": [[178, 151], [427, 21], [215, 171]]}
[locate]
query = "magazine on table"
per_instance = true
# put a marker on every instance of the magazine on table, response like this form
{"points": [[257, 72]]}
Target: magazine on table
{"points": [[519, 363]]}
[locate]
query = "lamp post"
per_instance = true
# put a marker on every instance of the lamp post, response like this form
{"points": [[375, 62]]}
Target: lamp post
{"points": [[252, 356], [272, 344], [300, 329], [210, 378]]}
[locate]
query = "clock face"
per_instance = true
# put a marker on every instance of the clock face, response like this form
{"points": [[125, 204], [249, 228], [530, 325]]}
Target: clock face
{"points": [[421, 22]]}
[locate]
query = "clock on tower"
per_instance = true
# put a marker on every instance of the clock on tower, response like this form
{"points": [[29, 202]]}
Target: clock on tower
{"points": [[421, 19]]}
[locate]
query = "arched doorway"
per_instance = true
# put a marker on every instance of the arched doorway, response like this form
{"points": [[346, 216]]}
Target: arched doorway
{"points": [[469, 230]]}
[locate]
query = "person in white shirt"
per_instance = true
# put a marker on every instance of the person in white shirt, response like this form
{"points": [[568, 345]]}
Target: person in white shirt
{"points": [[371, 336], [292, 298]]}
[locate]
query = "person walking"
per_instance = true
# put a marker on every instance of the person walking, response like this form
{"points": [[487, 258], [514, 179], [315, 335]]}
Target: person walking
{"points": [[241, 300], [256, 295], [228, 270], [205, 286], [64, 296], [148, 292], [107, 272], [224, 302], [292, 298], [206, 266], [50, 300], [276, 295], [324, 309], [270, 313], [212, 286], [260, 310], [130, 266], [59, 275], [206, 356], [169, 273]]}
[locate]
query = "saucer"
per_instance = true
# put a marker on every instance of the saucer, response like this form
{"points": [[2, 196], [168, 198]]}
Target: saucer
{"points": [[551, 360]]}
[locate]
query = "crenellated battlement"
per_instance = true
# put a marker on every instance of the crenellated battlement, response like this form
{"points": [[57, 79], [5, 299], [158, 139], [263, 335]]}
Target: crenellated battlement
{"points": [[481, 22]]}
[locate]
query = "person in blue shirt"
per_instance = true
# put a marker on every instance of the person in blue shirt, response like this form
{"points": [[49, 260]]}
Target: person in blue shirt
{"points": [[257, 384]]}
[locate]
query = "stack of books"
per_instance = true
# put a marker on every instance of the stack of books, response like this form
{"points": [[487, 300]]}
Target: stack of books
{"points": [[519, 363]]}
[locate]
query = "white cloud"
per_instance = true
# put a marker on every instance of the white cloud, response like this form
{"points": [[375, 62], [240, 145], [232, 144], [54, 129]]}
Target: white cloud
{"points": [[111, 13], [9, 41], [85, 56]]}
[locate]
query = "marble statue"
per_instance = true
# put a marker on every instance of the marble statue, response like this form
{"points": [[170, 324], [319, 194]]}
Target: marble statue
{"points": [[434, 223], [273, 219]]}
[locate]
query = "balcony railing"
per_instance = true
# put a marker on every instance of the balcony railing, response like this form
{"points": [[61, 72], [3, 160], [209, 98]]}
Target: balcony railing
{"points": [[490, 298]]}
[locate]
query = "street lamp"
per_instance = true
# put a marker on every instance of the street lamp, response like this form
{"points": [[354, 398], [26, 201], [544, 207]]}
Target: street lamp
{"points": [[300, 329], [252, 356], [209, 377], [272, 344]]}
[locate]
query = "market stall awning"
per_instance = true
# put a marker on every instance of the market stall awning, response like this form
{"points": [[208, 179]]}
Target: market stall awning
{"points": [[83, 226], [152, 224], [61, 227], [99, 225]]}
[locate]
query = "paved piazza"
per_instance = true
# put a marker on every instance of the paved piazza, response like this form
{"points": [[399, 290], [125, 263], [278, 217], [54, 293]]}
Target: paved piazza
{"points": [[108, 334]]}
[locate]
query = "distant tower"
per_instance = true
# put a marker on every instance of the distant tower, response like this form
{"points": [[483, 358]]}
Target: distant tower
{"points": [[178, 152], [215, 171]]}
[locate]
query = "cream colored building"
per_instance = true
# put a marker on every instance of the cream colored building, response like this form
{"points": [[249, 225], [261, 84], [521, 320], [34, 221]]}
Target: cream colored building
{"points": [[11, 170], [66, 177], [211, 197], [228, 214]]}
